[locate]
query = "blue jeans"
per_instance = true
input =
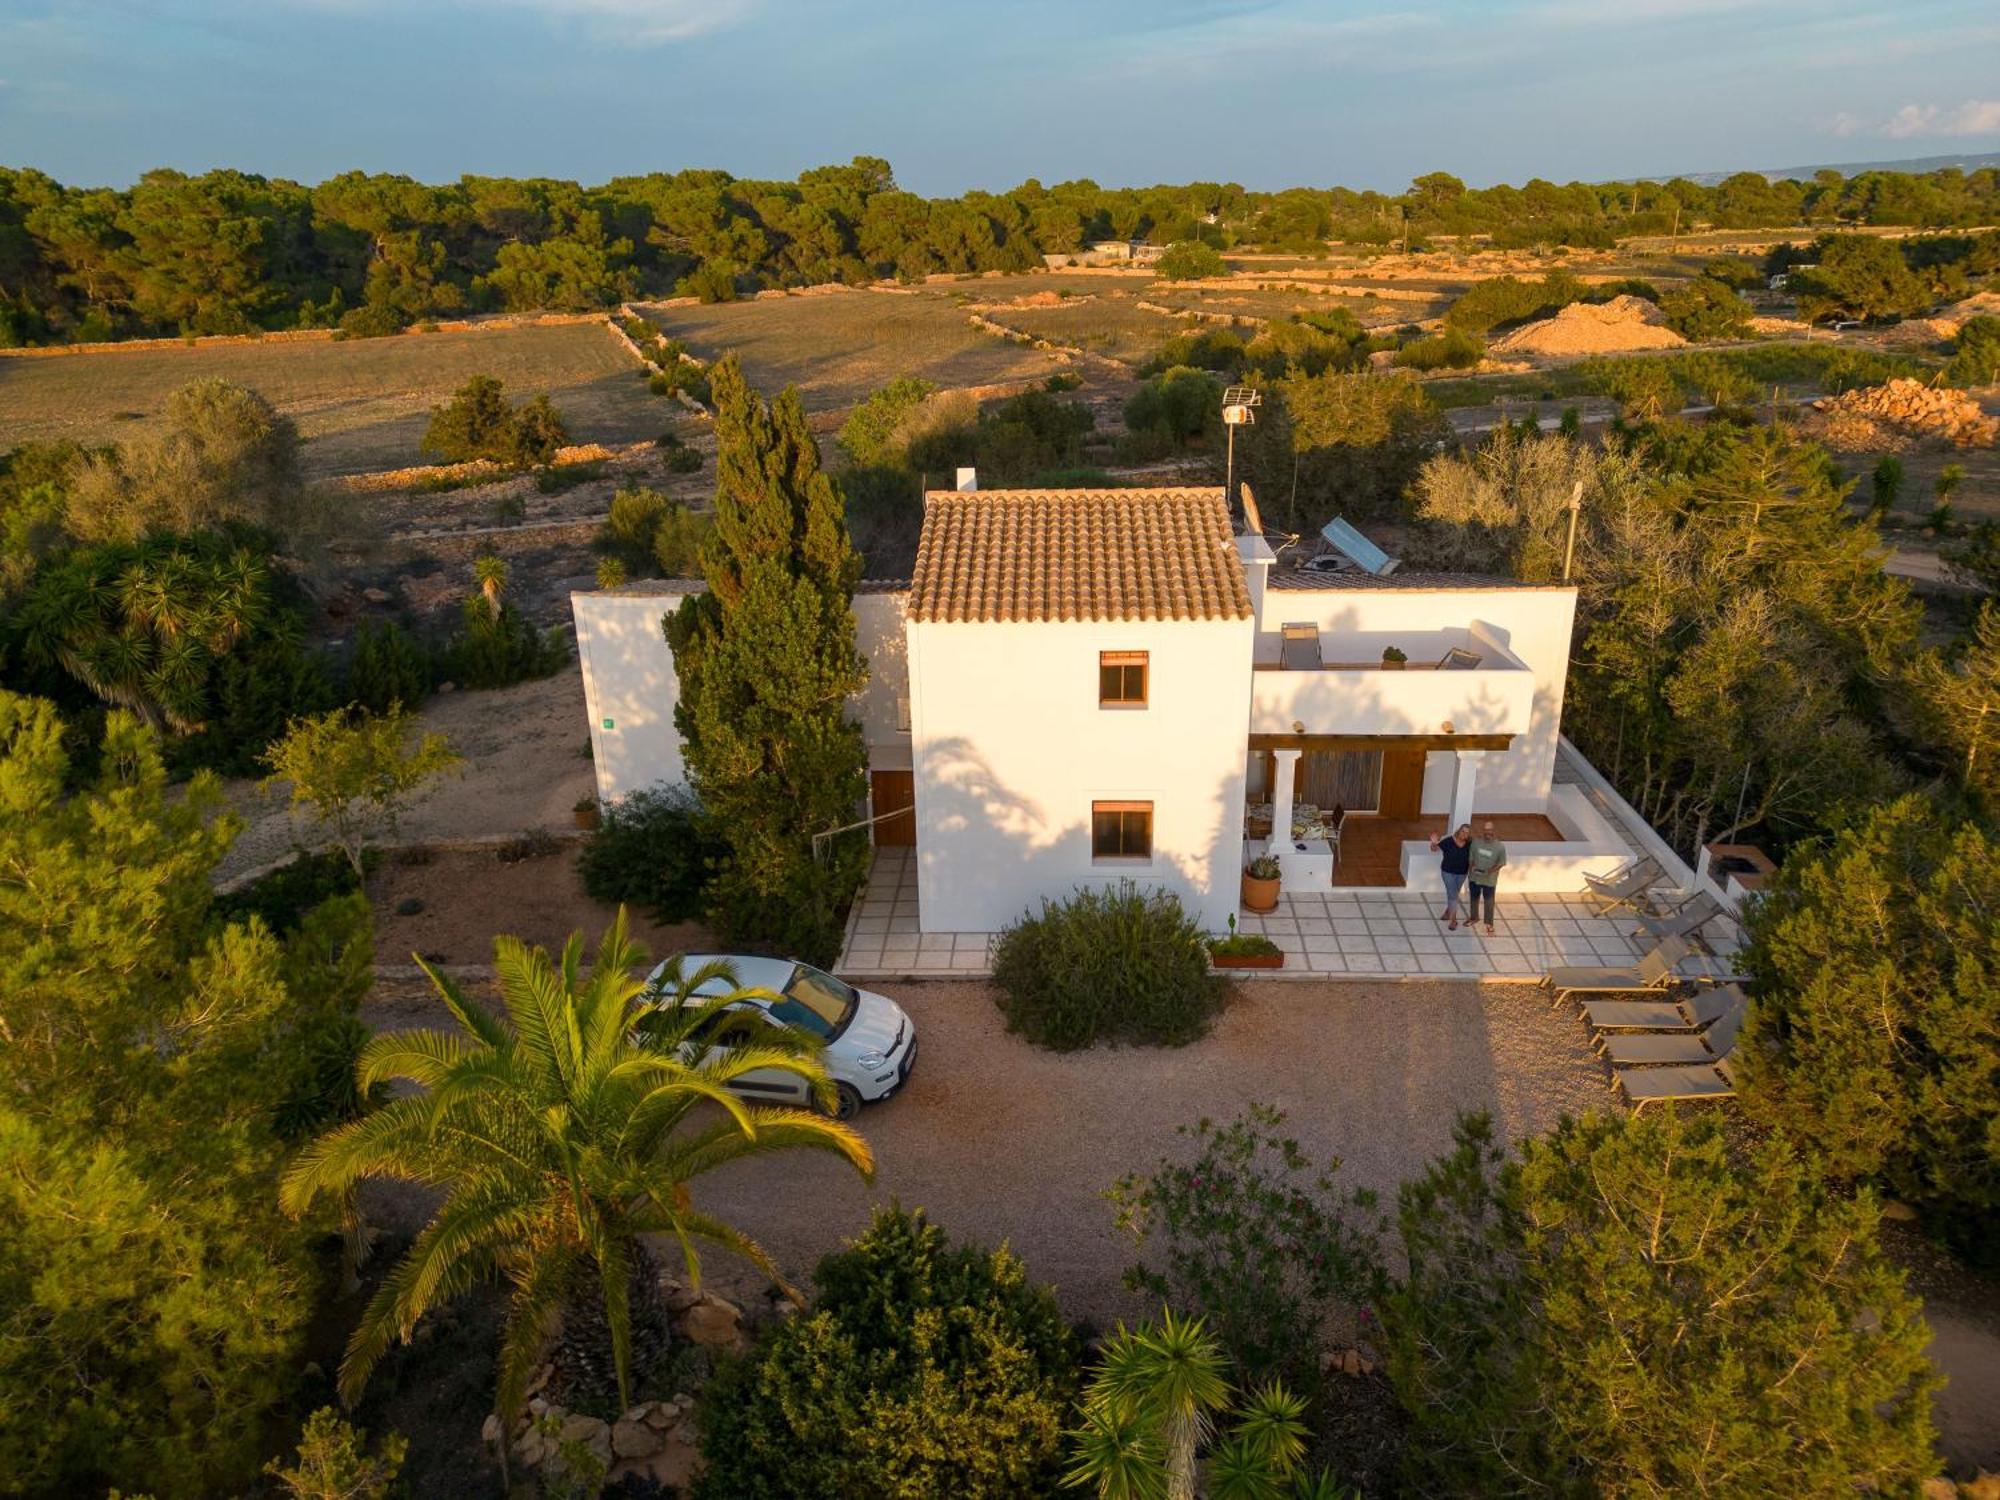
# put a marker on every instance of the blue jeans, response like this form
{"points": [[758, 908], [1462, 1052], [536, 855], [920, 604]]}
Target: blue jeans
{"points": [[1454, 884]]}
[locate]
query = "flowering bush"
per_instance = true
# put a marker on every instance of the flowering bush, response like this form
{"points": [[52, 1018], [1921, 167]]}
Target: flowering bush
{"points": [[1258, 1240]]}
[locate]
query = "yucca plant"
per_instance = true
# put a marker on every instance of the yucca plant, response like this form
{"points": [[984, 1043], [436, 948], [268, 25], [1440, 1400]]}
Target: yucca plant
{"points": [[561, 1136], [1152, 1407]]}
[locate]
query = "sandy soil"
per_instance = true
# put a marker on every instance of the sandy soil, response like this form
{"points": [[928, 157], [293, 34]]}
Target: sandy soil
{"points": [[470, 897], [524, 768]]}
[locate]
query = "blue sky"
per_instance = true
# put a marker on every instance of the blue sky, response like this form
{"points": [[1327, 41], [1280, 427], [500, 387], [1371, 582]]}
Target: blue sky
{"points": [[1268, 93]]}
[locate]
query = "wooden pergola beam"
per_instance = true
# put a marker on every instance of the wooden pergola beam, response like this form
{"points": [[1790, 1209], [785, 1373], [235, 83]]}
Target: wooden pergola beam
{"points": [[1381, 741]]}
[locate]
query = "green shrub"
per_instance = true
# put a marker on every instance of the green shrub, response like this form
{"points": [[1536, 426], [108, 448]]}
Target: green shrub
{"points": [[1487, 305], [388, 667], [562, 478], [1255, 1237], [654, 849], [283, 897], [922, 1369], [652, 533], [257, 689], [1706, 309], [1975, 356], [1124, 965], [1191, 260], [1452, 349], [498, 650]]}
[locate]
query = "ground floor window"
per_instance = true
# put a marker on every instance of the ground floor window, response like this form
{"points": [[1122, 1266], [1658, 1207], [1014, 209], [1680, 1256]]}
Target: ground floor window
{"points": [[1121, 830]]}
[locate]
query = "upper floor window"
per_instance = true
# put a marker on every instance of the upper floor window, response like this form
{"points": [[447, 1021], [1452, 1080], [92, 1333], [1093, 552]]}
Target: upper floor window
{"points": [[1121, 679], [1121, 830]]}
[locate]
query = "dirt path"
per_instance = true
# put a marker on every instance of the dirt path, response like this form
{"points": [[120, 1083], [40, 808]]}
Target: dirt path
{"points": [[524, 768]]}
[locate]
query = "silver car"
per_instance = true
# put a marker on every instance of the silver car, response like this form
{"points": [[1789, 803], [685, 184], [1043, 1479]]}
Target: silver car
{"points": [[869, 1044]]}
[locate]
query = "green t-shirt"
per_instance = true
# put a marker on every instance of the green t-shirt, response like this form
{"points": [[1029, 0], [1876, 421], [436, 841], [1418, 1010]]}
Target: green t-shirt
{"points": [[1488, 855]]}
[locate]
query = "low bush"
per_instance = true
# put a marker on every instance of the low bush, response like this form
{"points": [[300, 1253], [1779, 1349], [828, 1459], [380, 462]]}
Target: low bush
{"points": [[283, 897], [1975, 356], [1256, 1237], [1191, 260], [653, 534], [654, 849], [1453, 349], [922, 1369], [562, 478], [500, 649], [388, 667], [1125, 965]]}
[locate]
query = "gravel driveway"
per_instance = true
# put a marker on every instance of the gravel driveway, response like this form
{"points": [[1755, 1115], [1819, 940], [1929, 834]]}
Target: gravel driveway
{"points": [[1001, 1141]]}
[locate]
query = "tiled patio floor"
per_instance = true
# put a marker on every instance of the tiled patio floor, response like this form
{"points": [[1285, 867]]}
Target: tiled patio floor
{"points": [[1367, 934]]}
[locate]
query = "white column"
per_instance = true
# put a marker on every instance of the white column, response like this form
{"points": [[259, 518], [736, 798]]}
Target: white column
{"points": [[1285, 765], [1464, 778]]}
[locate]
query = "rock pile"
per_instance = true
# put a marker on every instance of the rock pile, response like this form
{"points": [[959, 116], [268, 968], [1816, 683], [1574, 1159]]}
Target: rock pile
{"points": [[1886, 418], [1613, 327], [655, 1440]]}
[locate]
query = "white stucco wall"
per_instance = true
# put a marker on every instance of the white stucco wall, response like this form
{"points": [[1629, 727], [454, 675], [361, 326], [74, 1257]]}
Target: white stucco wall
{"points": [[881, 707], [1012, 748], [1532, 625], [629, 689], [629, 680]]}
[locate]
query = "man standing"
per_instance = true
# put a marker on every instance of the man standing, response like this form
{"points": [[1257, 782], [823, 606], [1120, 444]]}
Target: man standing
{"points": [[1487, 855], [1454, 859]]}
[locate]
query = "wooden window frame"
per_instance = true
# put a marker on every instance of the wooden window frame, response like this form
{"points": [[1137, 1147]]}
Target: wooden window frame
{"points": [[1121, 855], [1122, 662]]}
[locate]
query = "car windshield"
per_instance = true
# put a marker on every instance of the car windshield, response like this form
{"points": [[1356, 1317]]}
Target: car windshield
{"points": [[816, 1002]]}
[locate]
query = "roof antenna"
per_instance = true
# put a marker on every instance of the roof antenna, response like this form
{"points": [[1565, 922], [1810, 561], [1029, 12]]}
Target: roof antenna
{"points": [[1253, 523]]}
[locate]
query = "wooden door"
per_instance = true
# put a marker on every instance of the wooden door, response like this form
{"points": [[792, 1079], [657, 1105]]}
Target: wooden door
{"points": [[894, 792], [1402, 783]]}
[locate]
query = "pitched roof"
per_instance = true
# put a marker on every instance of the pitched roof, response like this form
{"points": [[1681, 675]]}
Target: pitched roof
{"points": [[1159, 554]]}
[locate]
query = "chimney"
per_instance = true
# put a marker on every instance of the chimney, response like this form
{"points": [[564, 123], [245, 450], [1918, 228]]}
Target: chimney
{"points": [[968, 480]]}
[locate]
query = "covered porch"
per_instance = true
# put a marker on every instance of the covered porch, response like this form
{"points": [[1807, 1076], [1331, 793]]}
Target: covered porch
{"points": [[1337, 811]]}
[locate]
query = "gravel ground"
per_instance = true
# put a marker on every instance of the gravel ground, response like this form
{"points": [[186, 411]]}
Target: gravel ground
{"points": [[524, 769], [1001, 1141]]}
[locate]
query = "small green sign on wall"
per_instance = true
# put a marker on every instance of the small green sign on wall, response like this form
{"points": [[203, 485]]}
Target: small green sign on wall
{"points": [[610, 724]]}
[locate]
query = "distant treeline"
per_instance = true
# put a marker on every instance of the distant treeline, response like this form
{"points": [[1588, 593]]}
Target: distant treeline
{"points": [[228, 252]]}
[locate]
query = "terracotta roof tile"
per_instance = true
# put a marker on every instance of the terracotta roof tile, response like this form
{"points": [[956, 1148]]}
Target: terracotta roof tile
{"points": [[1159, 554]]}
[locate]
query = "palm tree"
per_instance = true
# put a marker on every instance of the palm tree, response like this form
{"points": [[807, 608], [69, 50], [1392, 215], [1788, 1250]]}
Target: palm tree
{"points": [[490, 573], [561, 1137]]}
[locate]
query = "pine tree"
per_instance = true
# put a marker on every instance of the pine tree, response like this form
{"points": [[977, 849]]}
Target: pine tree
{"points": [[767, 662], [1627, 1310], [1877, 959]]}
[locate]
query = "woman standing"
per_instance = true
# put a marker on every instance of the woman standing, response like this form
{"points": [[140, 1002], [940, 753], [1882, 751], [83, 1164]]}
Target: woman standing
{"points": [[1454, 860], [1487, 855]]}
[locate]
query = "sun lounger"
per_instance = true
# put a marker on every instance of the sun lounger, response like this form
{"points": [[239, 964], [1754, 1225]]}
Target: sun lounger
{"points": [[1644, 1086], [1626, 886], [1656, 1049], [1706, 1008], [1696, 912], [1653, 971]]}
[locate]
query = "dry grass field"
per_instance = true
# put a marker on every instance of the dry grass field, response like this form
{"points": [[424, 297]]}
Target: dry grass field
{"points": [[361, 404], [837, 347]]}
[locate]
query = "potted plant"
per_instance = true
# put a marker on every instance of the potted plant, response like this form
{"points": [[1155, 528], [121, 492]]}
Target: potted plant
{"points": [[1245, 950], [1260, 884], [1393, 659], [586, 812]]}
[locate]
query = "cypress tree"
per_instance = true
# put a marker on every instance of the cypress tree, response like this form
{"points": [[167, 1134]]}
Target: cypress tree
{"points": [[767, 661]]}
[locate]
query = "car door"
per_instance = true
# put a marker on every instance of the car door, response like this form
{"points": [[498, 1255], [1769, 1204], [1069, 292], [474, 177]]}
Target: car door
{"points": [[767, 1085]]}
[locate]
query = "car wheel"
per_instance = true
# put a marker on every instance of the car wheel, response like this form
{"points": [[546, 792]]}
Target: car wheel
{"points": [[847, 1101]]}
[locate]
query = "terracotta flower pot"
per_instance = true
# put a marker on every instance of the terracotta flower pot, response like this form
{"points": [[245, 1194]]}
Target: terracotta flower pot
{"points": [[1260, 895], [586, 817]]}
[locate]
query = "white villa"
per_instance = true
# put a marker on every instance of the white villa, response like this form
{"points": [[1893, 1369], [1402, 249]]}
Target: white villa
{"points": [[1081, 687]]}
